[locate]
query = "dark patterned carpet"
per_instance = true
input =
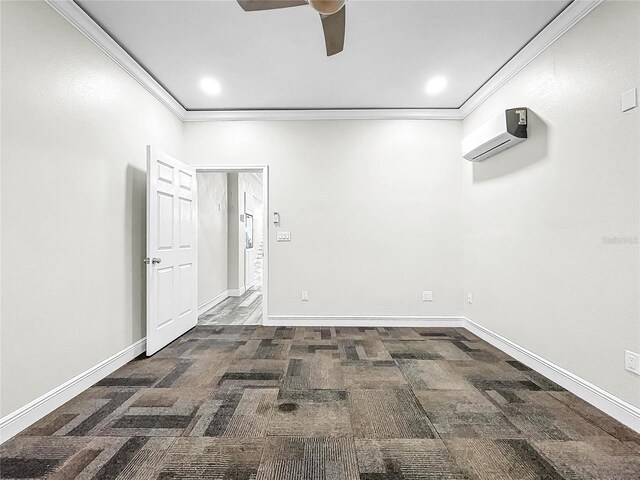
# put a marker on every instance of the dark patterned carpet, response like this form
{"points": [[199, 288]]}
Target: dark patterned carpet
{"points": [[243, 403]]}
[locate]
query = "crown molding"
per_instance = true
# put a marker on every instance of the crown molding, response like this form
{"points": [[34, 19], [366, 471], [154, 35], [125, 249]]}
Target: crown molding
{"points": [[571, 15], [556, 28], [83, 22], [326, 114]]}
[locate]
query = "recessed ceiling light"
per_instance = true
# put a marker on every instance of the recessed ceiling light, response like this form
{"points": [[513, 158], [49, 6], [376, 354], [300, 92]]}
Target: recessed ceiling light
{"points": [[210, 86], [435, 85]]}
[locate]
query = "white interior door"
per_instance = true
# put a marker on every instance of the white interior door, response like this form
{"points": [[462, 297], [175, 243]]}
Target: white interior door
{"points": [[172, 253], [249, 252]]}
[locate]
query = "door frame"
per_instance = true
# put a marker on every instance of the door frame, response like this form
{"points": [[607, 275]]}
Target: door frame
{"points": [[264, 170]]}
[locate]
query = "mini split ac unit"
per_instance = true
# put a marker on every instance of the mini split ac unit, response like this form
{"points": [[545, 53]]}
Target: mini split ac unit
{"points": [[501, 133]]}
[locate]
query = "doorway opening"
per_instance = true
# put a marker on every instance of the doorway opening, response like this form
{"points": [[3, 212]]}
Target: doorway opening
{"points": [[232, 245]]}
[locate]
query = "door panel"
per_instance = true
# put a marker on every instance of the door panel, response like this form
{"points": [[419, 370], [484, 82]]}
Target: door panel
{"points": [[165, 221], [165, 173], [185, 223], [186, 276], [172, 289], [165, 295]]}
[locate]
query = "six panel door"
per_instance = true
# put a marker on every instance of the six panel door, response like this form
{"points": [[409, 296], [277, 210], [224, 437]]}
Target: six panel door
{"points": [[172, 254]]}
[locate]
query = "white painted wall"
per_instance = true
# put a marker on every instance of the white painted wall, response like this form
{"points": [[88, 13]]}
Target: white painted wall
{"points": [[212, 235], [74, 131], [374, 210], [537, 216]]}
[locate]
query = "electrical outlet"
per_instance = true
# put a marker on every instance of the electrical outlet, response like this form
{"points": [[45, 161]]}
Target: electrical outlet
{"points": [[632, 362], [469, 297], [427, 296], [305, 296]]}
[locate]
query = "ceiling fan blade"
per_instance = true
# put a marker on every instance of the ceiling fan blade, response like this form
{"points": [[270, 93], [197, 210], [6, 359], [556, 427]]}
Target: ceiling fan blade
{"points": [[255, 5], [333, 26]]}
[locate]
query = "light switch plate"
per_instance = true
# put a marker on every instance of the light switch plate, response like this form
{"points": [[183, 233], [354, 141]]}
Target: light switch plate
{"points": [[629, 99], [632, 362], [283, 236], [427, 296]]}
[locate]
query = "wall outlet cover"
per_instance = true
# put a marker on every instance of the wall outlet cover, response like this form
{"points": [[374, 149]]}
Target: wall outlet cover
{"points": [[305, 296], [469, 297], [427, 296], [632, 362]]}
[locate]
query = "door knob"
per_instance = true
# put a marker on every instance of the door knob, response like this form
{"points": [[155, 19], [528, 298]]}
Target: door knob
{"points": [[155, 260]]}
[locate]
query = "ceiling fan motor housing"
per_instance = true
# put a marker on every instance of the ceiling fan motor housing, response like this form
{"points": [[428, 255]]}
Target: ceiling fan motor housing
{"points": [[327, 7]]}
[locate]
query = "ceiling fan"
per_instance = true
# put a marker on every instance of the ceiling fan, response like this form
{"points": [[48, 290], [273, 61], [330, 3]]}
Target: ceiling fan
{"points": [[332, 14]]}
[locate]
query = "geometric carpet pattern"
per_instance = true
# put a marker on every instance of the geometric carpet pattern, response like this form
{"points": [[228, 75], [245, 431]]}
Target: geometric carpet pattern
{"points": [[279, 403]]}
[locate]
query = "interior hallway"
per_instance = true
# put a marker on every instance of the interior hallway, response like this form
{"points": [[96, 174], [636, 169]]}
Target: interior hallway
{"points": [[243, 310], [266, 403]]}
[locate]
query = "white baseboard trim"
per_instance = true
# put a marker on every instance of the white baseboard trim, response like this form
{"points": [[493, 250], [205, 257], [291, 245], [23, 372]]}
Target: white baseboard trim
{"points": [[613, 406], [26, 416], [237, 292], [362, 321], [209, 304]]}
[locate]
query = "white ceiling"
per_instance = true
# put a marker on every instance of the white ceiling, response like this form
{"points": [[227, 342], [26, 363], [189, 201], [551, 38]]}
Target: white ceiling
{"points": [[276, 59]]}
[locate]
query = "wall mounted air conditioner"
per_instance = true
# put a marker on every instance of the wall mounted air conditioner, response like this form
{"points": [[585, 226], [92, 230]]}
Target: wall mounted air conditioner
{"points": [[501, 133]]}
